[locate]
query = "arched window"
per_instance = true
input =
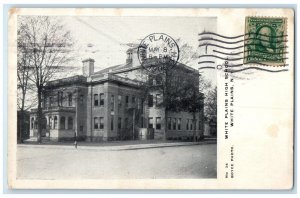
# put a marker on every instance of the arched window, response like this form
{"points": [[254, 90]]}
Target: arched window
{"points": [[55, 122], [70, 123], [62, 122]]}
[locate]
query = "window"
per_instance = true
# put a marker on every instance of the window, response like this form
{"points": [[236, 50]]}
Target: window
{"points": [[199, 125], [119, 123], [158, 123], [50, 122], [138, 103], [55, 122], [102, 99], [126, 101], [142, 122], [62, 122], [158, 80], [112, 123], [150, 101], [119, 100], [112, 103], [150, 123], [151, 79], [169, 123], [157, 99], [81, 128], [133, 100], [70, 123], [96, 123], [101, 123], [191, 124], [195, 124], [142, 105], [187, 124], [174, 123], [81, 99], [32, 123], [44, 123], [96, 100], [179, 124], [70, 99], [126, 123], [60, 98], [50, 102]]}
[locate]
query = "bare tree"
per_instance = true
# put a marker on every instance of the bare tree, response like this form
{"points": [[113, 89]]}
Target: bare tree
{"points": [[23, 68], [48, 46]]}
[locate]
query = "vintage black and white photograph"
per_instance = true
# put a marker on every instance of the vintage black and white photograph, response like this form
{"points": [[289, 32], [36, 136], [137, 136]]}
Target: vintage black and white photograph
{"points": [[114, 98]]}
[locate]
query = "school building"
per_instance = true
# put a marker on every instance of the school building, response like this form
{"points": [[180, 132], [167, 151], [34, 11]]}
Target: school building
{"points": [[108, 105]]}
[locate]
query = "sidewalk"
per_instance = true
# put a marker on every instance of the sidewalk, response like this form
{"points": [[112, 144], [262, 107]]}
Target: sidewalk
{"points": [[116, 145]]}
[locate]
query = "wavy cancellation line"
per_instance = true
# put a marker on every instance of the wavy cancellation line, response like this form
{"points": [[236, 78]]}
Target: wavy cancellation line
{"points": [[233, 48], [239, 36], [236, 59], [201, 62], [256, 68], [238, 65], [239, 41], [242, 64], [256, 63], [244, 69], [238, 53], [207, 67]]}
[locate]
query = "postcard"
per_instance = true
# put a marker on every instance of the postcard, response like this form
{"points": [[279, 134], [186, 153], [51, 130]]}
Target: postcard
{"points": [[144, 98]]}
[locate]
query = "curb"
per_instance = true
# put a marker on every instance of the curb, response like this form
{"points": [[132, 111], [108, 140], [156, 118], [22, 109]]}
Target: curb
{"points": [[116, 148]]}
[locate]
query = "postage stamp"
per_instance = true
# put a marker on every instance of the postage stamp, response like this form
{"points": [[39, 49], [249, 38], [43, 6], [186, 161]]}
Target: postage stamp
{"points": [[265, 41]]}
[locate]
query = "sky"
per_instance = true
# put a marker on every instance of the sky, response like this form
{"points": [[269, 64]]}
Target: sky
{"points": [[105, 39]]}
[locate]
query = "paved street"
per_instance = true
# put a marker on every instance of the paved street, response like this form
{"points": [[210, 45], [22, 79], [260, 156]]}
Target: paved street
{"points": [[194, 161]]}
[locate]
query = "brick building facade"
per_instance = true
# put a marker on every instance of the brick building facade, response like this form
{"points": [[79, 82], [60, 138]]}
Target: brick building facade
{"points": [[108, 105]]}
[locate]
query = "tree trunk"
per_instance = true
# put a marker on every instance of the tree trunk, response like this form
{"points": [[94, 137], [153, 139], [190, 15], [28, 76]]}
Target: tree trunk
{"points": [[22, 117], [39, 115], [165, 98], [166, 124], [194, 125]]}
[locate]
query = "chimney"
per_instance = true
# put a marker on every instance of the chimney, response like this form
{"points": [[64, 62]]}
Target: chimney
{"points": [[132, 57], [88, 67]]}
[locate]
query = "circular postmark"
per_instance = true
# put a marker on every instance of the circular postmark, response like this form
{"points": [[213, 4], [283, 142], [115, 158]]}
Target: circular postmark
{"points": [[158, 52]]}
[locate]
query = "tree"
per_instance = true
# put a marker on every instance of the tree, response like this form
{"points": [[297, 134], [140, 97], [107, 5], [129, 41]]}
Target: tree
{"points": [[178, 87], [211, 103], [183, 93], [47, 45], [23, 68]]}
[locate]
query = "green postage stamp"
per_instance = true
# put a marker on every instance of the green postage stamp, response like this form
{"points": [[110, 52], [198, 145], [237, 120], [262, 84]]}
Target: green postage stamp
{"points": [[265, 41]]}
